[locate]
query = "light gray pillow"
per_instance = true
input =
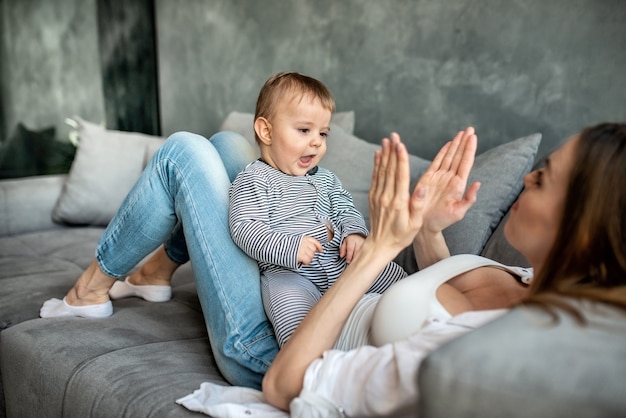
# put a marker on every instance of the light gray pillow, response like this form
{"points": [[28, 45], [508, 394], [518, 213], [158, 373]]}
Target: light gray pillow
{"points": [[243, 123], [106, 166]]}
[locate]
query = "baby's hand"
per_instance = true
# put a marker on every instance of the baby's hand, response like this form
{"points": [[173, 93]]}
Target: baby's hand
{"points": [[308, 247], [351, 246]]}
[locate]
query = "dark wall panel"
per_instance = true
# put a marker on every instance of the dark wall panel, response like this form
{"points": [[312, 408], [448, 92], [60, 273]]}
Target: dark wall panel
{"points": [[128, 62]]}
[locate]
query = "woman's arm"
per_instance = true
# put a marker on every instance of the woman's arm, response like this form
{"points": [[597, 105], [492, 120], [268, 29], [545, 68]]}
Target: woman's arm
{"points": [[396, 218]]}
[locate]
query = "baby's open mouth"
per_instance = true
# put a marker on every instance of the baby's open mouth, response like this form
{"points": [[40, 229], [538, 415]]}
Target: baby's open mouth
{"points": [[306, 160]]}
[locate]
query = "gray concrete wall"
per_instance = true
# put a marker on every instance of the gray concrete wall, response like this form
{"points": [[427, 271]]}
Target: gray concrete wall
{"points": [[50, 64], [424, 68]]}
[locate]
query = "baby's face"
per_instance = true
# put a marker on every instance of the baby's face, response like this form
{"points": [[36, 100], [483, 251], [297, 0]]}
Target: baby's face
{"points": [[298, 134]]}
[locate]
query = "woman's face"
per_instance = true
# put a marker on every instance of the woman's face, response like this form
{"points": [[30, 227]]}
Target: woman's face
{"points": [[535, 217]]}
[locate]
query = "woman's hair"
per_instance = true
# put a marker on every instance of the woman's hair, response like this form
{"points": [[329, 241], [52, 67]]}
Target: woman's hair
{"points": [[588, 257], [294, 84]]}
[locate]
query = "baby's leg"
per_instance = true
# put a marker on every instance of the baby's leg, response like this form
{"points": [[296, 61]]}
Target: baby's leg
{"points": [[287, 299], [390, 275]]}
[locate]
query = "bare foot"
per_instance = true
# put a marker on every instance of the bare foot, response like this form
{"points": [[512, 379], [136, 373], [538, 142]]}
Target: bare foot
{"points": [[89, 298], [157, 271], [91, 288]]}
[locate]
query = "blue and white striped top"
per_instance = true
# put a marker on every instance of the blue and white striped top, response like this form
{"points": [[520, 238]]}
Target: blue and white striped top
{"points": [[271, 211]]}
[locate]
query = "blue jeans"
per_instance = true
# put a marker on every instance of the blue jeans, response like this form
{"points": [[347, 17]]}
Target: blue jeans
{"points": [[181, 199]]}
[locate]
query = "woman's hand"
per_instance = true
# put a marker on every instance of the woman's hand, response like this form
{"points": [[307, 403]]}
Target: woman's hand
{"points": [[445, 180], [446, 200], [395, 216]]}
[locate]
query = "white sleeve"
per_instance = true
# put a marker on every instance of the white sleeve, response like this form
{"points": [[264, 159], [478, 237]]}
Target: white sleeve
{"points": [[377, 381]]}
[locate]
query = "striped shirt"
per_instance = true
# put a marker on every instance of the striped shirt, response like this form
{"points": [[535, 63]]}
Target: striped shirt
{"points": [[271, 211]]}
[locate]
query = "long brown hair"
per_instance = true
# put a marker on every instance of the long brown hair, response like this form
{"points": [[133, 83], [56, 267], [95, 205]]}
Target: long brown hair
{"points": [[588, 257]]}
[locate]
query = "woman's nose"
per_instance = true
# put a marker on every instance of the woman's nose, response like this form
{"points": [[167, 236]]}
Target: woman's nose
{"points": [[528, 179]]}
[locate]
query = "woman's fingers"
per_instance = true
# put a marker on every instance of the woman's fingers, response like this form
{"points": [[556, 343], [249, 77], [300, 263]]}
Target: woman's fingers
{"points": [[402, 172], [463, 158], [466, 157], [456, 156], [448, 157], [381, 158]]}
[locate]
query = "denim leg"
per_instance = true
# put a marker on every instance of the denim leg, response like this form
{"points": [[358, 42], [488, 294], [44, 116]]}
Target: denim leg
{"points": [[176, 247], [186, 181], [235, 152]]}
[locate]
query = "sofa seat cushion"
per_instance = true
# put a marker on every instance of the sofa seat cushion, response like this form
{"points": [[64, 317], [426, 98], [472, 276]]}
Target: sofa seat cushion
{"points": [[40, 358], [142, 358], [37, 266]]}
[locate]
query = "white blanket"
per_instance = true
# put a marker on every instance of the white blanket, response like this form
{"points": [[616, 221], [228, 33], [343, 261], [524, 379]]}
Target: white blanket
{"points": [[230, 402]]}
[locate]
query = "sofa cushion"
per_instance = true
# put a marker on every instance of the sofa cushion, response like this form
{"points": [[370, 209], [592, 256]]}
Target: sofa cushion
{"points": [[106, 166], [37, 266], [26, 204], [522, 365], [141, 359]]}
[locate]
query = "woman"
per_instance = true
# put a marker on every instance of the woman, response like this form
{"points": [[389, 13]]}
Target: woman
{"points": [[567, 222]]}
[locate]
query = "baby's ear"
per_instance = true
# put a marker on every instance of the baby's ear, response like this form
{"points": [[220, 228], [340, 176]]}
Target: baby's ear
{"points": [[263, 130]]}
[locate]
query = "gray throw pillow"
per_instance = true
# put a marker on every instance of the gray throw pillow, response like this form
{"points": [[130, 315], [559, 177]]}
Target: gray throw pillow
{"points": [[106, 166]]}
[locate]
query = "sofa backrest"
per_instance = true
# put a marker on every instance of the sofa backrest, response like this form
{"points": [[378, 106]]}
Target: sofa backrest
{"points": [[26, 203]]}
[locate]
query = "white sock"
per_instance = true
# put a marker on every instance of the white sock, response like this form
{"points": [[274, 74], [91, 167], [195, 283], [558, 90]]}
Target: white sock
{"points": [[151, 293], [57, 308]]}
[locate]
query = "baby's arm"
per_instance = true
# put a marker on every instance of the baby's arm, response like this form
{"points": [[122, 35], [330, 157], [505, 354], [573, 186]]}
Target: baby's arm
{"points": [[345, 216], [308, 247], [250, 227]]}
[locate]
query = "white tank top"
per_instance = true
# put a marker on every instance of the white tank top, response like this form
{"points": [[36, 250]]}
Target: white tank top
{"points": [[404, 307]]}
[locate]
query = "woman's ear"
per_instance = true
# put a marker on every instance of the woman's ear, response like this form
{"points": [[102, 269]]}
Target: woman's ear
{"points": [[263, 130]]}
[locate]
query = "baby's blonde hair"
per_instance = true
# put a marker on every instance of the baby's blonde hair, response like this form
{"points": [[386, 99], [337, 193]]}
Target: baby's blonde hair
{"points": [[290, 83]]}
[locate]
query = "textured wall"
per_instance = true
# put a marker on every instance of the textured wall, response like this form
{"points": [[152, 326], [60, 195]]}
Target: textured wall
{"points": [[424, 68], [50, 63]]}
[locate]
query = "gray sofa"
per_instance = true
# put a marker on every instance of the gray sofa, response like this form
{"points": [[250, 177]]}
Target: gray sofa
{"points": [[140, 360]]}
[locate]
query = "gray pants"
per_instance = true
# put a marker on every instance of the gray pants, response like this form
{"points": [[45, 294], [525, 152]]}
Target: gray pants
{"points": [[288, 297]]}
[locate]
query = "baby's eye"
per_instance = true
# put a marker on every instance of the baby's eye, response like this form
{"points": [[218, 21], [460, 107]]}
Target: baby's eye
{"points": [[304, 130], [324, 134], [538, 177]]}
